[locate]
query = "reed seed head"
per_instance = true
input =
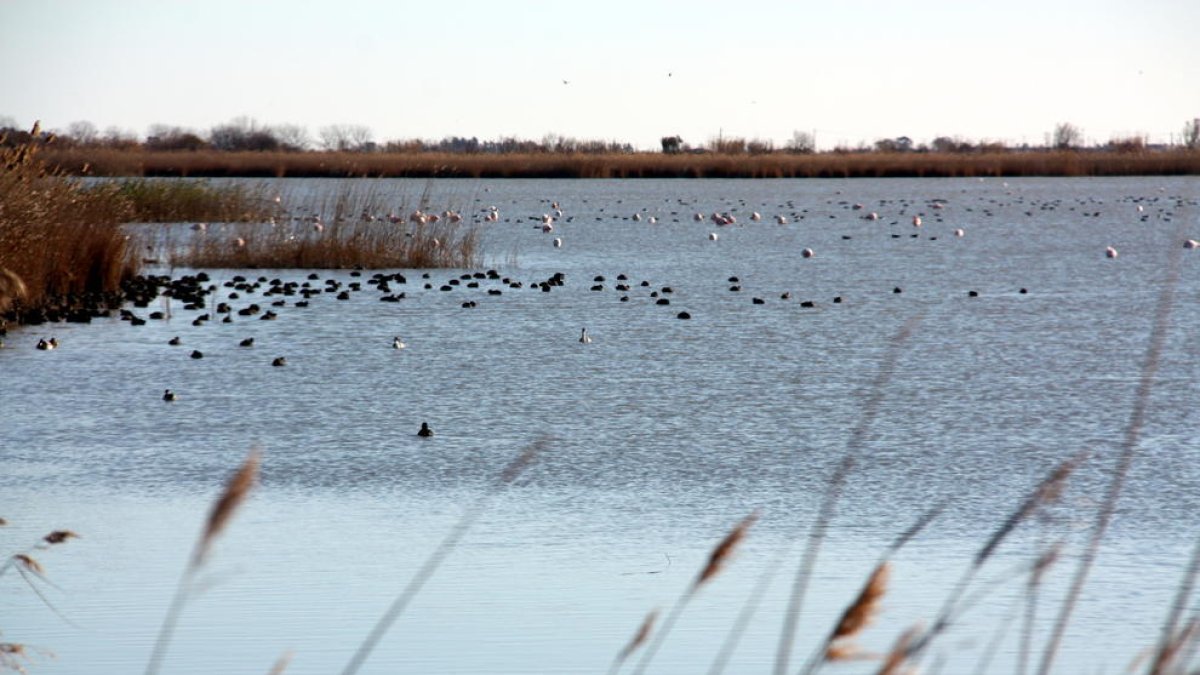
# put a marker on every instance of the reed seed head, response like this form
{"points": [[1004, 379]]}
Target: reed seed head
{"points": [[235, 493], [859, 614], [639, 638], [720, 554], [29, 563], [59, 536]]}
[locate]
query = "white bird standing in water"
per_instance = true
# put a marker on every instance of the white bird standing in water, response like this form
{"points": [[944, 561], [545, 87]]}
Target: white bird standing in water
{"points": [[584, 338]]}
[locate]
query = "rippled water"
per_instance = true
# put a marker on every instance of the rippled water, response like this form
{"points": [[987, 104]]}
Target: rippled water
{"points": [[658, 436]]}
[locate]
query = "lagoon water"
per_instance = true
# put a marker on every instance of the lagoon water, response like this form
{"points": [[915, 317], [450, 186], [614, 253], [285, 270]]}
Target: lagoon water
{"points": [[655, 439]]}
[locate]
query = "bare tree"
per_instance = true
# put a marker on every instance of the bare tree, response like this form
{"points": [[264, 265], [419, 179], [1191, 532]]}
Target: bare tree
{"points": [[116, 137], [1191, 134], [344, 137], [1067, 136], [360, 137], [83, 132], [802, 142], [292, 136]]}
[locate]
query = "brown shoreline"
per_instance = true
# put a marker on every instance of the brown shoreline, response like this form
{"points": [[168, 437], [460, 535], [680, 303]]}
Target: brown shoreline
{"points": [[138, 163]]}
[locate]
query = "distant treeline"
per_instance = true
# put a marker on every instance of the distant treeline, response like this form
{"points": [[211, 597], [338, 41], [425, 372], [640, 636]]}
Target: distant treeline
{"points": [[244, 148]]}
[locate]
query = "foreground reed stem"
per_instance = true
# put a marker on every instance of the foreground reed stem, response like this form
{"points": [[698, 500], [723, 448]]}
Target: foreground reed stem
{"points": [[435, 559], [235, 493], [1133, 429]]}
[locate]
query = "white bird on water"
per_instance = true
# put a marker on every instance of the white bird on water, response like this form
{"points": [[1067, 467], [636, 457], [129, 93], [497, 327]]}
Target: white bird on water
{"points": [[397, 344], [584, 338]]}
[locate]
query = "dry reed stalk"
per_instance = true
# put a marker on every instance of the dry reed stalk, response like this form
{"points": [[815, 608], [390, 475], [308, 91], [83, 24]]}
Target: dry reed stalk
{"points": [[236, 490], [1137, 416], [281, 664], [1171, 639], [746, 614], [1046, 491], [643, 632], [510, 473], [816, 535], [716, 560], [895, 659]]}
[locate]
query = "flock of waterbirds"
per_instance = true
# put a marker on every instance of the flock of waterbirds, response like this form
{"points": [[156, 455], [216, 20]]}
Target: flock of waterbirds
{"points": [[232, 300]]}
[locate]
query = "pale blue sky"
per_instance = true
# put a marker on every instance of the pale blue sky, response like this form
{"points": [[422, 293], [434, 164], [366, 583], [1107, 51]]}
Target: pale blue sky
{"points": [[855, 70]]}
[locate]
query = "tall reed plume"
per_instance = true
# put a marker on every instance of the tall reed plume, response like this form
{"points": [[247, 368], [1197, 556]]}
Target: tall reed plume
{"points": [[717, 559], [235, 493]]}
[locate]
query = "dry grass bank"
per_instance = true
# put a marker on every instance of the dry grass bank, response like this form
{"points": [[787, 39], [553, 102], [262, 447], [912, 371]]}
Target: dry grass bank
{"points": [[136, 162]]}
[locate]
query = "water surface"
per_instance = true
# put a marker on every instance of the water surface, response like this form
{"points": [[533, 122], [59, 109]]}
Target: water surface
{"points": [[658, 436]]}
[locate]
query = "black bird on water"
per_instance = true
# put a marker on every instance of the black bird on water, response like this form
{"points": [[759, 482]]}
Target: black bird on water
{"points": [[425, 431]]}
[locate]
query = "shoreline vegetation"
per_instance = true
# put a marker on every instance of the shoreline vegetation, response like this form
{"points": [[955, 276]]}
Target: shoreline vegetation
{"points": [[140, 162], [65, 255]]}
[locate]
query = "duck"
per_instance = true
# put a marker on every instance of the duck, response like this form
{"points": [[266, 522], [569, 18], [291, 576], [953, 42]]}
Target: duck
{"points": [[168, 395], [248, 342], [584, 338], [397, 344], [175, 341], [425, 431], [279, 361]]}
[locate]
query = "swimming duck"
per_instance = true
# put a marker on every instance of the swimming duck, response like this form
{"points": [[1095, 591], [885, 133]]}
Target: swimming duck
{"points": [[168, 395], [397, 344], [425, 431], [584, 338], [175, 341], [279, 361]]}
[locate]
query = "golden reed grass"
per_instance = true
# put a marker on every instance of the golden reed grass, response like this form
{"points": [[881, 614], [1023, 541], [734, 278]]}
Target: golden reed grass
{"points": [[140, 162]]}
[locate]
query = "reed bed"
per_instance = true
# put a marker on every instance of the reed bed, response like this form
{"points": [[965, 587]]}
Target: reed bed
{"points": [[359, 245], [360, 226], [140, 162], [173, 201], [61, 245]]}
